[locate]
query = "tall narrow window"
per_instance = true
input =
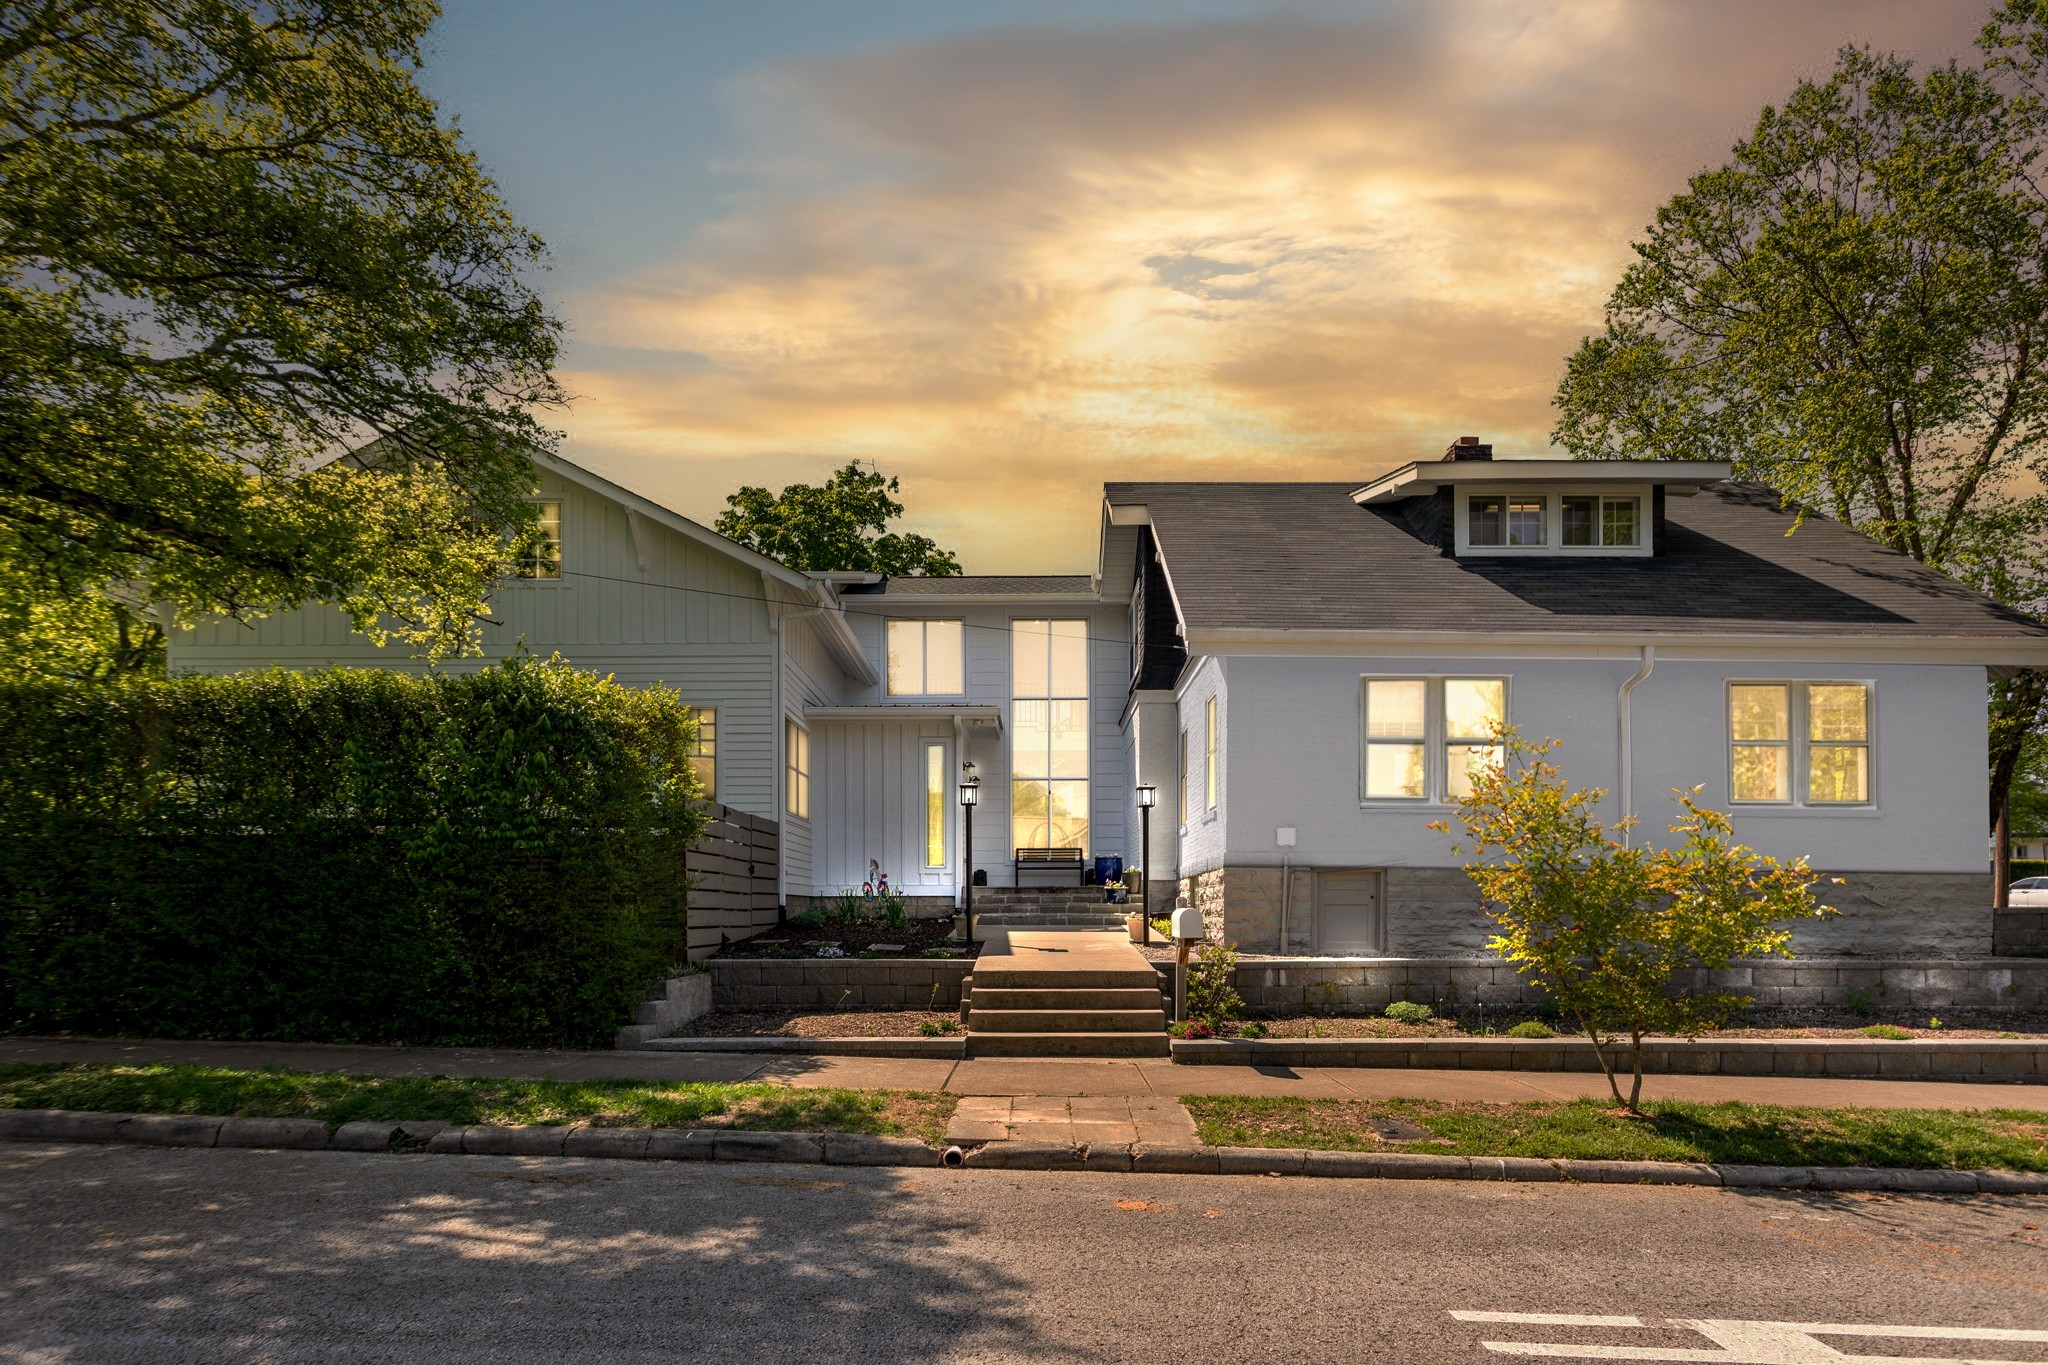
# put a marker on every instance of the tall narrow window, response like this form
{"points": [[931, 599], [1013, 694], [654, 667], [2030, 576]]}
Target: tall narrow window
{"points": [[1474, 710], [1396, 737], [1049, 734], [1838, 744], [797, 757], [1760, 741], [1209, 755], [1181, 777], [926, 659], [704, 758], [934, 805], [542, 553]]}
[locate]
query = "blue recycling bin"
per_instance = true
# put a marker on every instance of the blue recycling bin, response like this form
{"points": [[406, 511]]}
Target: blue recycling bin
{"points": [[1108, 870]]}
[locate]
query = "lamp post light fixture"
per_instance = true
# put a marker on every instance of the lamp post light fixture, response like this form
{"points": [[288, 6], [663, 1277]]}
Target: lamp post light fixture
{"points": [[1148, 797], [970, 797]]}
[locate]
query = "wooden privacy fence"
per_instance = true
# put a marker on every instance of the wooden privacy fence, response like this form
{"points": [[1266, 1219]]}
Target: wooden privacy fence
{"points": [[733, 872]]}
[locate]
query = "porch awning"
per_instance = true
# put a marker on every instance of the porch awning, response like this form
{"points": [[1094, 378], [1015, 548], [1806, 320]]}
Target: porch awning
{"points": [[964, 715]]}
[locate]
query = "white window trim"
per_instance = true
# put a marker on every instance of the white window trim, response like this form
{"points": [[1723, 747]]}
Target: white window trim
{"points": [[791, 771], [1435, 742], [888, 675], [1553, 520], [1798, 744], [1212, 768], [945, 807], [561, 578], [1086, 697]]}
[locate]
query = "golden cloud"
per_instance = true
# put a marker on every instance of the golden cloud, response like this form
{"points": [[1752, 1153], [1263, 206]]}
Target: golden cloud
{"points": [[1011, 265]]}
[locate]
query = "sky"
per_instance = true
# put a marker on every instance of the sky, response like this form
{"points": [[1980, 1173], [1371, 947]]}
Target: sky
{"points": [[1008, 251]]}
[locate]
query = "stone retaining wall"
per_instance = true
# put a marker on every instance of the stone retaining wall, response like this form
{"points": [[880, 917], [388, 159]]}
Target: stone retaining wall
{"points": [[1322, 985], [846, 984], [2019, 931], [1962, 1059]]}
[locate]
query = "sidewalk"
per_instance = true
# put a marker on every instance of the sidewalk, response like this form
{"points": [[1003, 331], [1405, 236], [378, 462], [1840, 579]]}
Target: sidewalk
{"points": [[1022, 1076]]}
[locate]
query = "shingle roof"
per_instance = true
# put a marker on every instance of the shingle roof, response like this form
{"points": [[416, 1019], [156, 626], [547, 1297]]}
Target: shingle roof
{"points": [[977, 585], [1303, 556]]}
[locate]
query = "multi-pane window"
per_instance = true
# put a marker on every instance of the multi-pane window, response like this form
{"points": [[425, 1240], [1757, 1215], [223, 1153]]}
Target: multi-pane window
{"points": [[1049, 734], [1809, 738], [1209, 756], [541, 556], [1181, 777], [1429, 737], [704, 757], [934, 805], [1498, 519], [1590, 520], [926, 659], [797, 770]]}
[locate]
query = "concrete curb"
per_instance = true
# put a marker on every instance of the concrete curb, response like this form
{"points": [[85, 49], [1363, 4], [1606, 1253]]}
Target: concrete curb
{"points": [[854, 1149]]}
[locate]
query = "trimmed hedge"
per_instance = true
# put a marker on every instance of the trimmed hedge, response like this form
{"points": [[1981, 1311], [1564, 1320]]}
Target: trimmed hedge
{"points": [[349, 856]]}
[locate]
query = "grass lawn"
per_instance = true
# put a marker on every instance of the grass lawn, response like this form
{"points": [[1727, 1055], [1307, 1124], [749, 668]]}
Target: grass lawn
{"points": [[1741, 1134], [338, 1098]]}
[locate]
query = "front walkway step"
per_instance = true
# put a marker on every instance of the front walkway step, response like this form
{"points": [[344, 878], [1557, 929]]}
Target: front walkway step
{"points": [[1067, 1021], [1101, 998], [1071, 979], [1068, 1044]]}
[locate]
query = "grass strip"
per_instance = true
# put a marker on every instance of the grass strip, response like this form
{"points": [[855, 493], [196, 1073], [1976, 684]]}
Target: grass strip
{"points": [[1739, 1134], [335, 1098]]}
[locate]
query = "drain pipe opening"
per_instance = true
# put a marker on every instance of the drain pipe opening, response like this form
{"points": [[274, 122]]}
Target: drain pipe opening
{"points": [[954, 1158]]}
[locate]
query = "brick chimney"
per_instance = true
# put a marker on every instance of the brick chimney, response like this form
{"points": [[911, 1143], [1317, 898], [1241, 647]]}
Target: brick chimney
{"points": [[1468, 448]]}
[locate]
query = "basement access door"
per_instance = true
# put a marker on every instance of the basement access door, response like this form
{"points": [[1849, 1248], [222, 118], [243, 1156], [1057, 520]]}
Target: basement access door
{"points": [[1350, 913]]}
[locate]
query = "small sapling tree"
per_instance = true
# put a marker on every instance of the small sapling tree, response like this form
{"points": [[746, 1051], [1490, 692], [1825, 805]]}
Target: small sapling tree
{"points": [[1604, 928]]}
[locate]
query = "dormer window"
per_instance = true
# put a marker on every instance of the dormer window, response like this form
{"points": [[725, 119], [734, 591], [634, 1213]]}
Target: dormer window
{"points": [[1590, 521], [1497, 519]]}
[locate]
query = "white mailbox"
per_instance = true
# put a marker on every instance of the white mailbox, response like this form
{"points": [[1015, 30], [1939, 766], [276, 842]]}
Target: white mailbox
{"points": [[1187, 923]]}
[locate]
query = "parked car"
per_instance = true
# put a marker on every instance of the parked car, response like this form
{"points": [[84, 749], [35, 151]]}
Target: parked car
{"points": [[2028, 893]]}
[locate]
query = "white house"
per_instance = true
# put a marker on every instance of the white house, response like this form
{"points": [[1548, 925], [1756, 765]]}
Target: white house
{"points": [[1303, 673]]}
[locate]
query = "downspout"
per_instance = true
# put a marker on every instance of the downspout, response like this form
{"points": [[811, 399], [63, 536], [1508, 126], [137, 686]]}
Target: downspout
{"points": [[1627, 784]]}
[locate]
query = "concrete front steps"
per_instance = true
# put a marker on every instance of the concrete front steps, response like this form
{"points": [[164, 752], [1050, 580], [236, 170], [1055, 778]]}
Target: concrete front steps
{"points": [[1062, 907], [1064, 993]]}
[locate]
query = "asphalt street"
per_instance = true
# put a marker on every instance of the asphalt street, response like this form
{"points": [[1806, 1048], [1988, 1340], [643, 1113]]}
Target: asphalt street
{"points": [[160, 1255]]}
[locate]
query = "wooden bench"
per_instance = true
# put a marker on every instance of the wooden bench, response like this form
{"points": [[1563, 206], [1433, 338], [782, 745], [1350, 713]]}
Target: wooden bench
{"points": [[1051, 860]]}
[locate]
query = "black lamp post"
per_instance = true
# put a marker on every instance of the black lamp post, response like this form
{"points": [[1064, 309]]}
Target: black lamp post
{"points": [[1148, 797], [970, 797]]}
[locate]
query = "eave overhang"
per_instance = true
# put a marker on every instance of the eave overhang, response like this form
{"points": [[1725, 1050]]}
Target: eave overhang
{"points": [[1421, 479]]}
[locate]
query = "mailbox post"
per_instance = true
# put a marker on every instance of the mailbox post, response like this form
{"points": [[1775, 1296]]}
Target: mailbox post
{"points": [[1187, 932]]}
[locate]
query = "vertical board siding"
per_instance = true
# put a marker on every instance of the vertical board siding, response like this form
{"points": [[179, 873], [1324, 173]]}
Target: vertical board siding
{"points": [[873, 781]]}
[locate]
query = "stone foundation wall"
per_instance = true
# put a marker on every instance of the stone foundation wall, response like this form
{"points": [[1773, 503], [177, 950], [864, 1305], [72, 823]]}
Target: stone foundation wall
{"points": [[916, 907], [1437, 912], [1323, 985], [825, 983], [2019, 931]]}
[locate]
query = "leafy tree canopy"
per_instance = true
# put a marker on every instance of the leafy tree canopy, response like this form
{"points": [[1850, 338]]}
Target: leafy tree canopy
{"points": [[1854, 309], [236, 240], [841, 525]]}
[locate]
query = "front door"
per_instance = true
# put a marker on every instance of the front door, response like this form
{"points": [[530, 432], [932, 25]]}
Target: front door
{"points": [[1348, 918]]}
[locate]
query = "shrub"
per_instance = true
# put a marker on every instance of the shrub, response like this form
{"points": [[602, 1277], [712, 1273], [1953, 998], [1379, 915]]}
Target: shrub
{"points": [[1211, 997], [1891, 1032], [1859, 1001], [1410, 1012], [1253, 1030], [1603, 927], [353, 856], [1192, 1028], [937, 1028], [1532, 1028]]}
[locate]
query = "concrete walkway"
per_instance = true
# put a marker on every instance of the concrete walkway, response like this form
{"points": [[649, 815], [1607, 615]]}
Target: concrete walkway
{"points": [[1022, 1076]]}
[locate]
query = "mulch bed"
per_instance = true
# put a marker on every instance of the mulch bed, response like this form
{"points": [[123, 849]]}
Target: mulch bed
{"points": [[912, 938], [806, 1024]]}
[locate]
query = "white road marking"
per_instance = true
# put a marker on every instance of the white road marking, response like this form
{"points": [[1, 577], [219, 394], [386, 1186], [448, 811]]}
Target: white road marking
{"points": [[1738, 1342]]}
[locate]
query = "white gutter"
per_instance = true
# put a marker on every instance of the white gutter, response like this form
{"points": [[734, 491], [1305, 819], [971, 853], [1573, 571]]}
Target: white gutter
{"points": [[1627, 785]]}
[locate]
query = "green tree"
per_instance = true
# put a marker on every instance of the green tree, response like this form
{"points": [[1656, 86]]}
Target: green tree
{"points": [[1604, 927], [1854, 310], [840, 525], [236, 241]]}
